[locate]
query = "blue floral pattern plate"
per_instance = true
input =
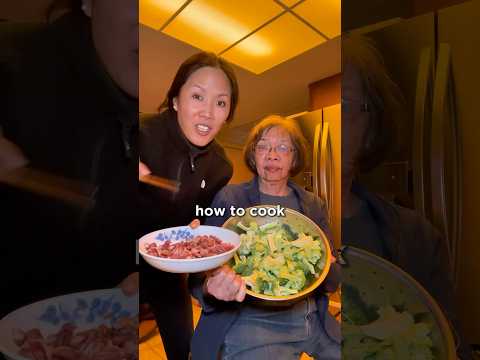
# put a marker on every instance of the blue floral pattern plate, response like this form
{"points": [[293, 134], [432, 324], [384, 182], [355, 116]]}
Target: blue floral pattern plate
{"points": [[86, 310], [185, 233]]}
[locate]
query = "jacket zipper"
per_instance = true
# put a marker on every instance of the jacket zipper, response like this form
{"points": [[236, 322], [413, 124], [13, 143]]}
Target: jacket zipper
{"points": [[126, 131], [192, 163], [94, 175]]}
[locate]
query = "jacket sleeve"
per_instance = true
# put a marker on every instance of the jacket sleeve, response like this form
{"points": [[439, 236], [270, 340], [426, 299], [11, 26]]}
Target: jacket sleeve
{"points": [[148, 144]]}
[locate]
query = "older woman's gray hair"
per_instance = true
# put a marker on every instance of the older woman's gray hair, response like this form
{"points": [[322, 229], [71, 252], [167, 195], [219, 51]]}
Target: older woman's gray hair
{"points": [[300, 145], [383, 100]]}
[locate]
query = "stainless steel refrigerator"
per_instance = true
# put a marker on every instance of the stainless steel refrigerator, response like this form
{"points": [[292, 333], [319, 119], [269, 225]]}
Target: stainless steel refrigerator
{"points": [[434, 59], [322, 129]]}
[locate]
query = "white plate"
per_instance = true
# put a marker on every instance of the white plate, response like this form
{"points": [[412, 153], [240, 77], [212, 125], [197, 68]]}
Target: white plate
{"points": [[181, 233], [85, 309]]}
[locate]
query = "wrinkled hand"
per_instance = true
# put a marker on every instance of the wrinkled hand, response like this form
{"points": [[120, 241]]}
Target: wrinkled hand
{"points": [[143, 169], [224, 284], [130, 284]]}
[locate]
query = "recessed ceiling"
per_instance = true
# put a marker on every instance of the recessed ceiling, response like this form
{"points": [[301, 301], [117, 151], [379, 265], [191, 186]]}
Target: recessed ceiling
{"points": [[255, 35], [155, 13], [285, 30], [282, 89], [208, 24]]}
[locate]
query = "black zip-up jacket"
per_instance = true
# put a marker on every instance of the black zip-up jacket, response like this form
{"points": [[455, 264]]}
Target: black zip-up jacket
{"points": [[201, 172]]}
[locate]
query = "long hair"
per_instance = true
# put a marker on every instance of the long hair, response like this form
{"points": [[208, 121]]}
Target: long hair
{"points": [[66, 5]]}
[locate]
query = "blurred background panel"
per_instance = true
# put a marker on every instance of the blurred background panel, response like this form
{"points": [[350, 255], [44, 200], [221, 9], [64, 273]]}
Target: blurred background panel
{"points": [[429, 49]]}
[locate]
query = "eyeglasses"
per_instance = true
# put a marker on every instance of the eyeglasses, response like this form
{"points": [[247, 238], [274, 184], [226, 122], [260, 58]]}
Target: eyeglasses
{"points": [[349, 106], [263, 148]]}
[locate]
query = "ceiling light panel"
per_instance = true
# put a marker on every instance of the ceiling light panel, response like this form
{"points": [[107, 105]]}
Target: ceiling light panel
{"points": [[288, 3], [214, 25], [155, 13], [287, 38], [324, 15]]}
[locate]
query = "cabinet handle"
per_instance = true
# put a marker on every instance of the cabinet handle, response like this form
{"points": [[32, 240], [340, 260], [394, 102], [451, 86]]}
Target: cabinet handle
{"points": [[446, 197], [423, 99], [326, 170]]}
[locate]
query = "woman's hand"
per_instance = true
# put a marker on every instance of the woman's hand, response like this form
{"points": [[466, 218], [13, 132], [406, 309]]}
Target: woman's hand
{"points": [[143, 169], [224, 284], [11, 156], [130, 284], [194, 224]]}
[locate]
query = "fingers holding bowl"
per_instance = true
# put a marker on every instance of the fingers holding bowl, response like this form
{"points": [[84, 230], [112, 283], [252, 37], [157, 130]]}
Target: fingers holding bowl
{"points": [[224, 284]]}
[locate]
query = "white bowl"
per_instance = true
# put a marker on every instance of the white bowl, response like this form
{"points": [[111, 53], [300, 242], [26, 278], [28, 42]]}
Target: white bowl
{"points": [[181, 233], [86, 310], [382, 283], [300, 223]]}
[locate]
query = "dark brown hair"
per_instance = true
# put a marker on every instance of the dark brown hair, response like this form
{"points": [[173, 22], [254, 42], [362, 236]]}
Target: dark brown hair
{"points": [[74, 6], [299, 142], [191, 65]]}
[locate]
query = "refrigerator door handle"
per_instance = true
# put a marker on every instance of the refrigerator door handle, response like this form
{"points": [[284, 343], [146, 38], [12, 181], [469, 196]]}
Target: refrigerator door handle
{"points": [[446, 190], [315, 167], [423, 96], [326, 170]]}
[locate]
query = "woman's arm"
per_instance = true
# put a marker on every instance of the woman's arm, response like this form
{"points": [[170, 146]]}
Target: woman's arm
{"points": [[11, 156], [213, 289]]}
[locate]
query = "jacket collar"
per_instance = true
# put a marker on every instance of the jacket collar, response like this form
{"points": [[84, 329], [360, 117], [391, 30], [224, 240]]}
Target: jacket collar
{"points": [[253, 191], [176, 134], [181, 142]]}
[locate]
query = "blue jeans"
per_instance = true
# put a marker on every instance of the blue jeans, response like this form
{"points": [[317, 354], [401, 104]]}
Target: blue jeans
{"points": [[263, 334]]}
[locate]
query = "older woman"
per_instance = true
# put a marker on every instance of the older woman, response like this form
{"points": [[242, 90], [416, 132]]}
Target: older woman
{"points": [[230, 323], [372, 111]]}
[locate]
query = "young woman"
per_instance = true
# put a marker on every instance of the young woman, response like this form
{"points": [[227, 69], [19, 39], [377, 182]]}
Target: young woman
{"points": [[77, 136], [178, 144]]}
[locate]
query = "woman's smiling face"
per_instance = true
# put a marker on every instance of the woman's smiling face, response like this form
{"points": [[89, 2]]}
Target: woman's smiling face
{"points": [[203, 105]]}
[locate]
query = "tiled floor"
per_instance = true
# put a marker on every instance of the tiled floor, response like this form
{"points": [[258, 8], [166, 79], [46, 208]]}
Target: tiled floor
{"points": [[152, 349]]}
